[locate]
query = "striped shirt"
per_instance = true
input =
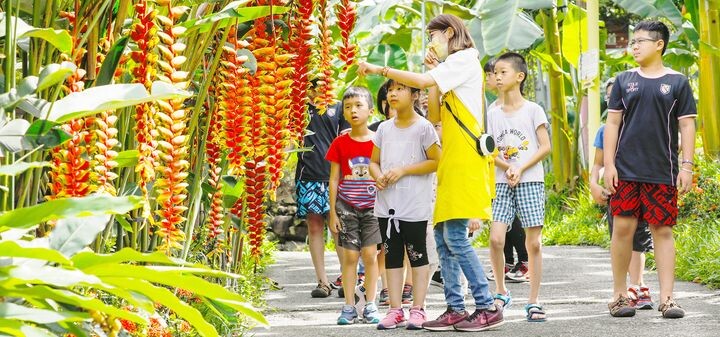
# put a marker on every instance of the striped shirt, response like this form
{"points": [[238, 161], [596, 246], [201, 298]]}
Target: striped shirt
{"points": [[359, 193]]}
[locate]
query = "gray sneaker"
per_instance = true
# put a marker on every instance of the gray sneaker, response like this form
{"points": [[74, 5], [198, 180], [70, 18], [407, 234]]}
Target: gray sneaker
{"points": [[348, 315], [371, 315]]}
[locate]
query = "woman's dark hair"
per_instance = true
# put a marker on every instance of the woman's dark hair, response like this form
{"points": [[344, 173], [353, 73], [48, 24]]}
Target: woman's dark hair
{"points": [[461, 38]]}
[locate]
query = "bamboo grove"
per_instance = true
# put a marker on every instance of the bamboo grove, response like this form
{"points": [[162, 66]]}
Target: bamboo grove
{"points": [[205, 164]]}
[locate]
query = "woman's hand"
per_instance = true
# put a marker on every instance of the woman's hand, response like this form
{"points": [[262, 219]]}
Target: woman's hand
{"points": [[431, 61], [365, 68]]}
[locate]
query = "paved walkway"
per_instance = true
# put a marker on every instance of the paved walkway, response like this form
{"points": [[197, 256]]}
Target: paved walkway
{"points": [[575, 289]]}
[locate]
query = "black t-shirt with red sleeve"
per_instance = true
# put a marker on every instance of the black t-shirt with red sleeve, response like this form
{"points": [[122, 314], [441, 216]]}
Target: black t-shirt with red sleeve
{"points": [[647, 149], [323, 129]]}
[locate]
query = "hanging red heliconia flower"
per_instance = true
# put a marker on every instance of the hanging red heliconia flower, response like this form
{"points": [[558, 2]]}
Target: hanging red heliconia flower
{"points": [[255, 184], [71, 172], [173, 118], [299, 44], [263, 83], [103, 153], [144, 33], [216, 217], [346, 16], [325, 95]]}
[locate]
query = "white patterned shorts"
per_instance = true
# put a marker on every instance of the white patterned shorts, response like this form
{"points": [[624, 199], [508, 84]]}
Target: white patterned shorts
{"points": [[527, 200]]}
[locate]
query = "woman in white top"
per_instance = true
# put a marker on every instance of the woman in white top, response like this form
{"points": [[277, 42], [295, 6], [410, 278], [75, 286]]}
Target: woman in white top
{"points": [[465, 184]]}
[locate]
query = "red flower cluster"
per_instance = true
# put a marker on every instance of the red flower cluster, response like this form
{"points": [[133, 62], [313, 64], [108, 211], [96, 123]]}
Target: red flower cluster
{"points": [[347, 16], [299, 44], [171, 186], [144, 33], [325, 95]]}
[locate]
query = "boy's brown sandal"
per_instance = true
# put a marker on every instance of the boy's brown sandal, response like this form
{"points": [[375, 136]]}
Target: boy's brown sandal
{"points": [[321, 291], [670, 309], [621, 307]]}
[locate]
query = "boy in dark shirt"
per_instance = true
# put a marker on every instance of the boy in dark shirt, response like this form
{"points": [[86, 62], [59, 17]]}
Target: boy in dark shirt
{"points": [[648, 106]]}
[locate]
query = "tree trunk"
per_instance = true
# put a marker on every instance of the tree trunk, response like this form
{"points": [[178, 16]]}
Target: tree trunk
{"points": [[560, 129], [709, 109]]}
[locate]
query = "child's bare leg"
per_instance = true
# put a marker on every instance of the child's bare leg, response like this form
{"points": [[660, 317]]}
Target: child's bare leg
{"points": [[664, 259], [637, 266], [620, 252], [533, 244], [369, 256], [349, 274], [395, 286], [421, 277], [381, 267], [497, 256]]}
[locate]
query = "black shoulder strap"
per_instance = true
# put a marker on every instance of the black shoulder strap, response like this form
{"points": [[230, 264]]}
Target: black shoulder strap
{"points": [[462, 125]]}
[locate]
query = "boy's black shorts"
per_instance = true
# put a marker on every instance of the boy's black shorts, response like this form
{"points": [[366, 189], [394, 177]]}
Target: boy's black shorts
{"points": [[642, 240]]}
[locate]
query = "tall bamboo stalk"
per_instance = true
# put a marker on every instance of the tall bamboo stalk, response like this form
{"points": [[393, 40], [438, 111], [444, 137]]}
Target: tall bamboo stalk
{"points": [[709, 81], [561, 149]]}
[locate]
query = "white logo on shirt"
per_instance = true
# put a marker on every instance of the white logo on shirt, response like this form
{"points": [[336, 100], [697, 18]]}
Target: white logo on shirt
{"points": [[632, 87], [665, 88]]}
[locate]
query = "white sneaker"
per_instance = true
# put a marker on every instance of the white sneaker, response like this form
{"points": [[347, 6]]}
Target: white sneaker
{"points": [[360, 300]]}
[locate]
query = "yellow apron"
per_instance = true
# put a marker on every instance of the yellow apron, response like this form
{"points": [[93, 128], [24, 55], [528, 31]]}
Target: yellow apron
{"points": [[466, 180]]}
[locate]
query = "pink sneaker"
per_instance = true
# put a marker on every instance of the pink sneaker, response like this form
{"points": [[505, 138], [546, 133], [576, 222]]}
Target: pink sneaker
{"points": [[446, 321], [395, 318], [417, 318]]}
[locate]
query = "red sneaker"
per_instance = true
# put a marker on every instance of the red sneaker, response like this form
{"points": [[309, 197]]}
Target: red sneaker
{"points": [[520, 274], [337, 284], [482, 319], [407, 296], [446, 321], [641, 297]]}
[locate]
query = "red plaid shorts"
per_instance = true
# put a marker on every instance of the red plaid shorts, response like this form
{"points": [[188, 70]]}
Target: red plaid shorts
{"points": [[654, 203]]}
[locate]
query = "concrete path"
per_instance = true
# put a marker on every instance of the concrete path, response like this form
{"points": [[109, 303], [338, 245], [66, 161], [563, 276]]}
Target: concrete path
{"points": [[575, 290]]}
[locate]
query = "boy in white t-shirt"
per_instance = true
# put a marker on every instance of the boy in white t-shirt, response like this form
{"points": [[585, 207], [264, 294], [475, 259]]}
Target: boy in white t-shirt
{"points": [[519, 128]]}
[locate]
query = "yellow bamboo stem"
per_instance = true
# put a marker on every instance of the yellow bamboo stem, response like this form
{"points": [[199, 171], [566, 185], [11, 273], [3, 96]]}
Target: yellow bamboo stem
{"points": [[709, 107]]}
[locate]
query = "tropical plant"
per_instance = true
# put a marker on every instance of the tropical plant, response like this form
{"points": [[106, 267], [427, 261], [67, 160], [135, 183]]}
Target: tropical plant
{"points": [[53, 285]]}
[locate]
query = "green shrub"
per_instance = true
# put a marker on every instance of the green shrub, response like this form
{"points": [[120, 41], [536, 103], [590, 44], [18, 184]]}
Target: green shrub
{"points": [[697, 235], [575, 219]]}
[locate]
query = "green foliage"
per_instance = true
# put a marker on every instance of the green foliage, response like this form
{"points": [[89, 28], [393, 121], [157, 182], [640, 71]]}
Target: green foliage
{"points": [[505, 26], [573, 218], [43, 288], [697, 234]]}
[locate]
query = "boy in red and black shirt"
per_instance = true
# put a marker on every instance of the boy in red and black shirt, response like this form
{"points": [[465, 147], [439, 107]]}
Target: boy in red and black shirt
{"points": [[648, 106], [352, 202]]}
